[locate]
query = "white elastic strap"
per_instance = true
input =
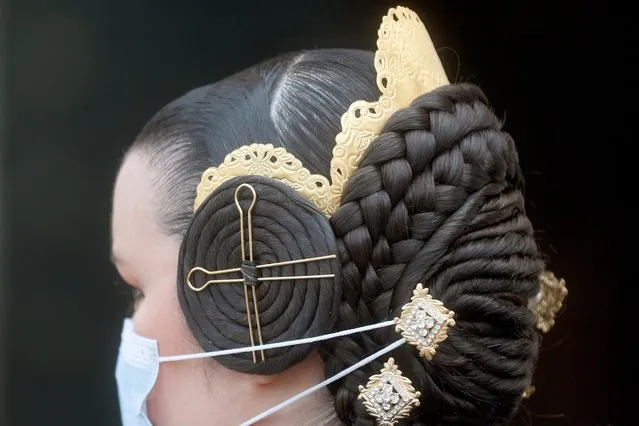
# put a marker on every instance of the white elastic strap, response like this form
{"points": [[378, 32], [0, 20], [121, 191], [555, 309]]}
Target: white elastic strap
{"points": [[326, 382], [278, 344]]}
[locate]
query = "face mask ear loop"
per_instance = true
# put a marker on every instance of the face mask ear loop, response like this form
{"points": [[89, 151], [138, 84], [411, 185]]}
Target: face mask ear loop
{"points": [[326, 382], [305, 341]]}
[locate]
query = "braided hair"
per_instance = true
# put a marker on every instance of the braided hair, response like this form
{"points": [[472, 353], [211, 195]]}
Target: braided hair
{"points": [[437, 199]]}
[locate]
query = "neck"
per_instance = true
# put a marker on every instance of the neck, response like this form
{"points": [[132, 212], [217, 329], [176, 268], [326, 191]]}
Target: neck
{"points": [[315, 409]]}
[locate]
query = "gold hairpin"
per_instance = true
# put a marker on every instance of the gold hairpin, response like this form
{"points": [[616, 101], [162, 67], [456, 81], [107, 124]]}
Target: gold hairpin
{"points": [[248, 269], [389, 396], [250, 259], [259, 279]]}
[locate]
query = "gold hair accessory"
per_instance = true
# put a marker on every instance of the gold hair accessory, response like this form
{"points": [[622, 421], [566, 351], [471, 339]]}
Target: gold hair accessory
{"points": [[407, 66], [528, 392], [246, 285], [389, 396], [424, 322], [549, 300], [266, 160], [249, 269], [545, 305]]}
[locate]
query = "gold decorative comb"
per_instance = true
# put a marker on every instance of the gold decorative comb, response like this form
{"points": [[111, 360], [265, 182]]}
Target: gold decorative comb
{"points": [[407, 66], [266, 160]]}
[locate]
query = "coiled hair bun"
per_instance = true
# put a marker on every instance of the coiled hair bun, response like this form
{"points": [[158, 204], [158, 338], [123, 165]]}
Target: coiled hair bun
{"points": [[285, 226]]}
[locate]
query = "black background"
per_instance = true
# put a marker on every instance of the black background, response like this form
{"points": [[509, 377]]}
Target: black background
{"points": [[82, 77]]}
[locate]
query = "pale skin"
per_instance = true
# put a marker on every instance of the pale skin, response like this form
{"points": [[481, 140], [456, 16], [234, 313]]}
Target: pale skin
{"points": [[193, 392]]}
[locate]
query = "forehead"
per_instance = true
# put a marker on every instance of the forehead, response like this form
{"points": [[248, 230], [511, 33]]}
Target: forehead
{"points": [[133, 224]]}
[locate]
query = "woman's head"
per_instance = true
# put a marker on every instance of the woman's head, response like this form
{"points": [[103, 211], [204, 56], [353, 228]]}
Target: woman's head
{"points": [[437, 199], [294, 101]]}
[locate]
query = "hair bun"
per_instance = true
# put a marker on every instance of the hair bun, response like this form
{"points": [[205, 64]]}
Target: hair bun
{"points": [[285, 227]]}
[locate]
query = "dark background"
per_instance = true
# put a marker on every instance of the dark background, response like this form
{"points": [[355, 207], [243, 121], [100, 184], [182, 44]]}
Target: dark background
{"points": [[82, 77]]}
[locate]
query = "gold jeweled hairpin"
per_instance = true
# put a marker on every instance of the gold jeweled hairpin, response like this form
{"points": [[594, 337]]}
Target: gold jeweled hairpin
{"points": [[423, 323], [249, 270], [389, 396]]}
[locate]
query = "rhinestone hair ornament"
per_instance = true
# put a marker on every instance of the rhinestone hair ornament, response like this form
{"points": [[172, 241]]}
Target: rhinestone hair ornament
{"points": [[407, 66], [389, 396]]}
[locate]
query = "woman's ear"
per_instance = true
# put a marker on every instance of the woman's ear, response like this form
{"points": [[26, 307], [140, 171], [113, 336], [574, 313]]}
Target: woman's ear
{"points": [[262, 380]]}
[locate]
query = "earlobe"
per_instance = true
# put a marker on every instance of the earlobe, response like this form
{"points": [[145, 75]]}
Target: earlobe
{"points": [[263, 380]]}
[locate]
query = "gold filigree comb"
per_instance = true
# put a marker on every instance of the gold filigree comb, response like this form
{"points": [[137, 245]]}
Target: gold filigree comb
{"points": [[266, 160], [407, 66]]}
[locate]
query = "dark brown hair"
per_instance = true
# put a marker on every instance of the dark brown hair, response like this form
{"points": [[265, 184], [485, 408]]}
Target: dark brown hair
{"points": [[437, 199]]}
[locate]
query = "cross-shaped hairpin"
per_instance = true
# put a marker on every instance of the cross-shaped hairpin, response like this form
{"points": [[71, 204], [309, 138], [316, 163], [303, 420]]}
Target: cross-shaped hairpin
{"points": [[249, 270]]}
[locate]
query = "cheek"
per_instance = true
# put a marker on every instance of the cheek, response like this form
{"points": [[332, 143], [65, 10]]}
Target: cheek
{"points": [[183, 388], [159, 317]]}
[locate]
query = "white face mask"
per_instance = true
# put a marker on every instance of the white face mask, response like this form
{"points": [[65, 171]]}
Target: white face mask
{"points": [[139, 361], [135, 373]]}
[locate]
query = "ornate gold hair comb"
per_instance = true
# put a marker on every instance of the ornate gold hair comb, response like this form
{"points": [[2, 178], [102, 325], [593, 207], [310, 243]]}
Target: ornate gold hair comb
{"points": [[249, 270], [407, 66]]}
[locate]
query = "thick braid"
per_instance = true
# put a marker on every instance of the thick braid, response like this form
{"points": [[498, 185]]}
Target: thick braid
{"points": [[438, 199]]}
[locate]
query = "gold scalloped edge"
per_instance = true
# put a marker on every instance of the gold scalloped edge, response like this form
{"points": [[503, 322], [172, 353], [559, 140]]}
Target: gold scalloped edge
{"points": [[407, 66], [266, 160]]}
